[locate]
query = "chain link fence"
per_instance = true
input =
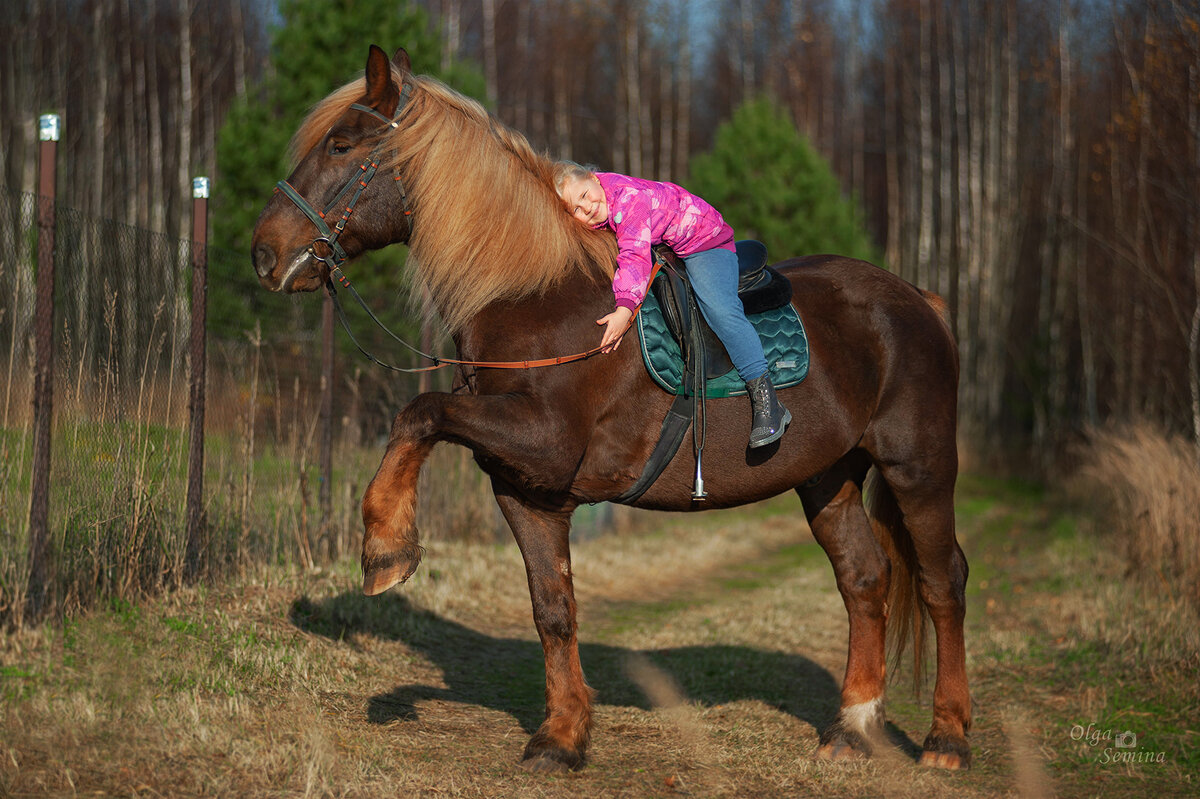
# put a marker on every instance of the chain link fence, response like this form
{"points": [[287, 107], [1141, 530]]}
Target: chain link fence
{"points": [[118, 465]]}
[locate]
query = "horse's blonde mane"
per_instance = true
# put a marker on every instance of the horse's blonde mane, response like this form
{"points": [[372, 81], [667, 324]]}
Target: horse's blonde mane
{"points": [[488, 225]]}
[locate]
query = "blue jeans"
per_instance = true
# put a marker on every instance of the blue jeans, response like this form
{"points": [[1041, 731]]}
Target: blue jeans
{"points": [[714, 276]]}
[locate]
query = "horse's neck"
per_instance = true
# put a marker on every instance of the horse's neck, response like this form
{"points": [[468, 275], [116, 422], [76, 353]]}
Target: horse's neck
{"points": [[560, 322]]}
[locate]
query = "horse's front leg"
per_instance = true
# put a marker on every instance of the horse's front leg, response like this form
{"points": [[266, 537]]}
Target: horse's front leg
{"points": [[543, 537], [488, 425]]}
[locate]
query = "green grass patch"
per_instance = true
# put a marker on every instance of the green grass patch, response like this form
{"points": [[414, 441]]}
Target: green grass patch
{"points": [[1064, 634]]}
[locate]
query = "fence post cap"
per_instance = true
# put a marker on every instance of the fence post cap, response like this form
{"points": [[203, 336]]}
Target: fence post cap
{"points": [[49, 127], [200, 188]]}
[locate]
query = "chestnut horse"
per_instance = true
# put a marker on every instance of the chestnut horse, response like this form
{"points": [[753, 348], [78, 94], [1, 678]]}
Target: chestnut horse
{"points": [[514, 277]]}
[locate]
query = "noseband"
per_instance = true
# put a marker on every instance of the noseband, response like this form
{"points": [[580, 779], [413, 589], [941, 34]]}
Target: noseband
{"points": [[353, 190]]}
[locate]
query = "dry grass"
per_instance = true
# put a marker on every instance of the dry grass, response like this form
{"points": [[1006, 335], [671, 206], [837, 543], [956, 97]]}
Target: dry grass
{"points": [[119, 473], [243, 691], [1147, 486], [716, 643]]}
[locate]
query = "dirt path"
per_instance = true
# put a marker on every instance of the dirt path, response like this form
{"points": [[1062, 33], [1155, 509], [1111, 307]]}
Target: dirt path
{"points": [[716, 644]]}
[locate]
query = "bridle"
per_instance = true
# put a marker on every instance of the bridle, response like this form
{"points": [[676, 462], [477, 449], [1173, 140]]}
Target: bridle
{"points": [[336, 255], [353, 190]]}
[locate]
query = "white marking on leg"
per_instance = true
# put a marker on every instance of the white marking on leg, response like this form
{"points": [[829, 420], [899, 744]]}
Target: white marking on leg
{"points": [[865, 718]]}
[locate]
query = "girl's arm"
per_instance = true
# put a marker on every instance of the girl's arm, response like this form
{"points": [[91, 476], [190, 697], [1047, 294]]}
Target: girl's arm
{"points": [[634, 259]]}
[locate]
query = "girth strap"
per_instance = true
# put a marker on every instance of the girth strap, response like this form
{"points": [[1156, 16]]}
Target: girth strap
{"points": [[688, 409]]}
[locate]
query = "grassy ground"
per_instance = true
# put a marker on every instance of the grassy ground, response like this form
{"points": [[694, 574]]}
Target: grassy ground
{"points": [[716, 643]]}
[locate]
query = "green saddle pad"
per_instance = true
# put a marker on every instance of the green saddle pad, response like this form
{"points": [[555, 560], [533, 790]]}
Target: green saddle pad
{"points": [[781, 331]]}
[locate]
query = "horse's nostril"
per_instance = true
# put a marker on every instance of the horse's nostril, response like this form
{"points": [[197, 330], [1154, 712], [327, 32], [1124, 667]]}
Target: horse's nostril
{"points": [[264, 260]]}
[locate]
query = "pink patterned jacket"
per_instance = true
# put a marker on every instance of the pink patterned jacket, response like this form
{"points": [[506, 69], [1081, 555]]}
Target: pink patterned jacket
{"points": [[647, 212]]}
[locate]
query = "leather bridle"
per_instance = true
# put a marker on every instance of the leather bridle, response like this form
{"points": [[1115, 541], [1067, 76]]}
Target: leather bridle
{"points": [[350, 194]]}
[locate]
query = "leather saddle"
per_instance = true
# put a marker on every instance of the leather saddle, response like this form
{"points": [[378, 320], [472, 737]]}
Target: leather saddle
{"points": [[760, 288]]}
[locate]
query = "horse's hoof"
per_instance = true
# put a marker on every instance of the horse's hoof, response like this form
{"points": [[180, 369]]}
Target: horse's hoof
{"points": [[544, 765], [378, 581], [944, 760], [545, 758], [840, 749], [381, 572], [945, 752]]}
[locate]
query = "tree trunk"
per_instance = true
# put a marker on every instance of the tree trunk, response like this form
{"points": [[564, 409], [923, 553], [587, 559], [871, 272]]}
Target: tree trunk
{"points": [[945, 265], [158, 205], [523, 91], [633, 90], [99, 190], [666, 120], [891, 154], [968, 288], [490, 66], [746, 62], [925, 153], [560, 76], [186, 121], [451, 32], [1194, 229], [683, 133]]}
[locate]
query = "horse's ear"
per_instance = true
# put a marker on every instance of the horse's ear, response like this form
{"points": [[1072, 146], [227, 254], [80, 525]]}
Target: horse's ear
{"points": [[401, 60], [381, 89]]}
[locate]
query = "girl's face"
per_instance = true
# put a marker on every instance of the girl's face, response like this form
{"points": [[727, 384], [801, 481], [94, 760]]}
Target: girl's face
{"points": [[585, 201]]}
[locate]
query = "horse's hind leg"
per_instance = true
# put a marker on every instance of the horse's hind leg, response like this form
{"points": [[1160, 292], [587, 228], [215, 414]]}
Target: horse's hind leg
{"points": [[924, 498], [543, 537], [839, 523]]}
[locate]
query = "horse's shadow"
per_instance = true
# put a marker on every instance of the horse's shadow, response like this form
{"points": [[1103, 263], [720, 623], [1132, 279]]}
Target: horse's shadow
{"points": [[506, 674]]}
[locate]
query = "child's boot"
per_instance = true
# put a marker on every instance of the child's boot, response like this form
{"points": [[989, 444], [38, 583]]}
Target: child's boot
{"points": [[770, 417]]}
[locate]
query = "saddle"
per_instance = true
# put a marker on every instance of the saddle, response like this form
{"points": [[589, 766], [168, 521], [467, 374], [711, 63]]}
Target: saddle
{"points": [[760, 289], [692, 350]]}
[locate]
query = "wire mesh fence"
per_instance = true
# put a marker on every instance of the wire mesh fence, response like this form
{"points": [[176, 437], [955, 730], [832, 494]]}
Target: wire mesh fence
{"points": [[118, 465]]}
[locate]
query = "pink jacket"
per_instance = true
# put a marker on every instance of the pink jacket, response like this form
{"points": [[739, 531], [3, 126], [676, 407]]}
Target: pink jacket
{"points": [[647, 212]]}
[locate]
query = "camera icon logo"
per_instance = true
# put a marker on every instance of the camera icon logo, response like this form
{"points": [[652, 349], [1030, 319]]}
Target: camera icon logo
{"points": [[1126, 740]]}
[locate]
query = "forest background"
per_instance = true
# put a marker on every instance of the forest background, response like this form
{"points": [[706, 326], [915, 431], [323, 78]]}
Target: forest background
{"points": [[1036, 163]]}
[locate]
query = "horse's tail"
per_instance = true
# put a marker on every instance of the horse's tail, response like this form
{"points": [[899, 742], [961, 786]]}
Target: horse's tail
{"points": [[907, 614]]}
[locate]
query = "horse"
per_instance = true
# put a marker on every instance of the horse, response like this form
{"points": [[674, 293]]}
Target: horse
{"points": [[512, 276]]}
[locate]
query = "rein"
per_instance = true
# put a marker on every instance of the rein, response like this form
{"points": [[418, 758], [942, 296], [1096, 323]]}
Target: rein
{"points": [[439, 362]]}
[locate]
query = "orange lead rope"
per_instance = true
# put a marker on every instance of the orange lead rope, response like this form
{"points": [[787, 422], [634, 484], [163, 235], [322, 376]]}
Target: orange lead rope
{"points": [[438, 362]]}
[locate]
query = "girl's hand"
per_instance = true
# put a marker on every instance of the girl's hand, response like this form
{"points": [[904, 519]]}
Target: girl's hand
{"points": [[616, 323]]}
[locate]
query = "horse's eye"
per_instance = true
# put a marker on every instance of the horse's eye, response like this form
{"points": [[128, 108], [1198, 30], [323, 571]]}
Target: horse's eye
{"points": [[338, 147]]}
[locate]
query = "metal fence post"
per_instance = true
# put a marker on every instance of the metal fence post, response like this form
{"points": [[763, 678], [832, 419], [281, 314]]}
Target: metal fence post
{"points": [[43, 380], [195, 487]]}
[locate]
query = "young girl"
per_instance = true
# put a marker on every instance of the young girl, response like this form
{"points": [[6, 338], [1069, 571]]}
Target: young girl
{"points": [[643, 213]]}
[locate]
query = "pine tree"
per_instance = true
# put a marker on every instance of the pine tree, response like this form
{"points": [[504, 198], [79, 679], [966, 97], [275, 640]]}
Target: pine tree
{"points": [[770, 184]]}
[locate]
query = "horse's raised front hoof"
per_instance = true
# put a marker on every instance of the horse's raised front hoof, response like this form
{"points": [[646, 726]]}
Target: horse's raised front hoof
{"points": [[946, 752], [382, 571]]}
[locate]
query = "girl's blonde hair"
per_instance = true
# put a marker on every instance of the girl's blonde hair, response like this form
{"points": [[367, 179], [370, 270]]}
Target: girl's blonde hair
{"points": [[566, 171]]}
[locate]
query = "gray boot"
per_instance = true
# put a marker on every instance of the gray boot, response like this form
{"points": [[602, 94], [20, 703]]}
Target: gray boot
{"points": [[770, 417]]}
